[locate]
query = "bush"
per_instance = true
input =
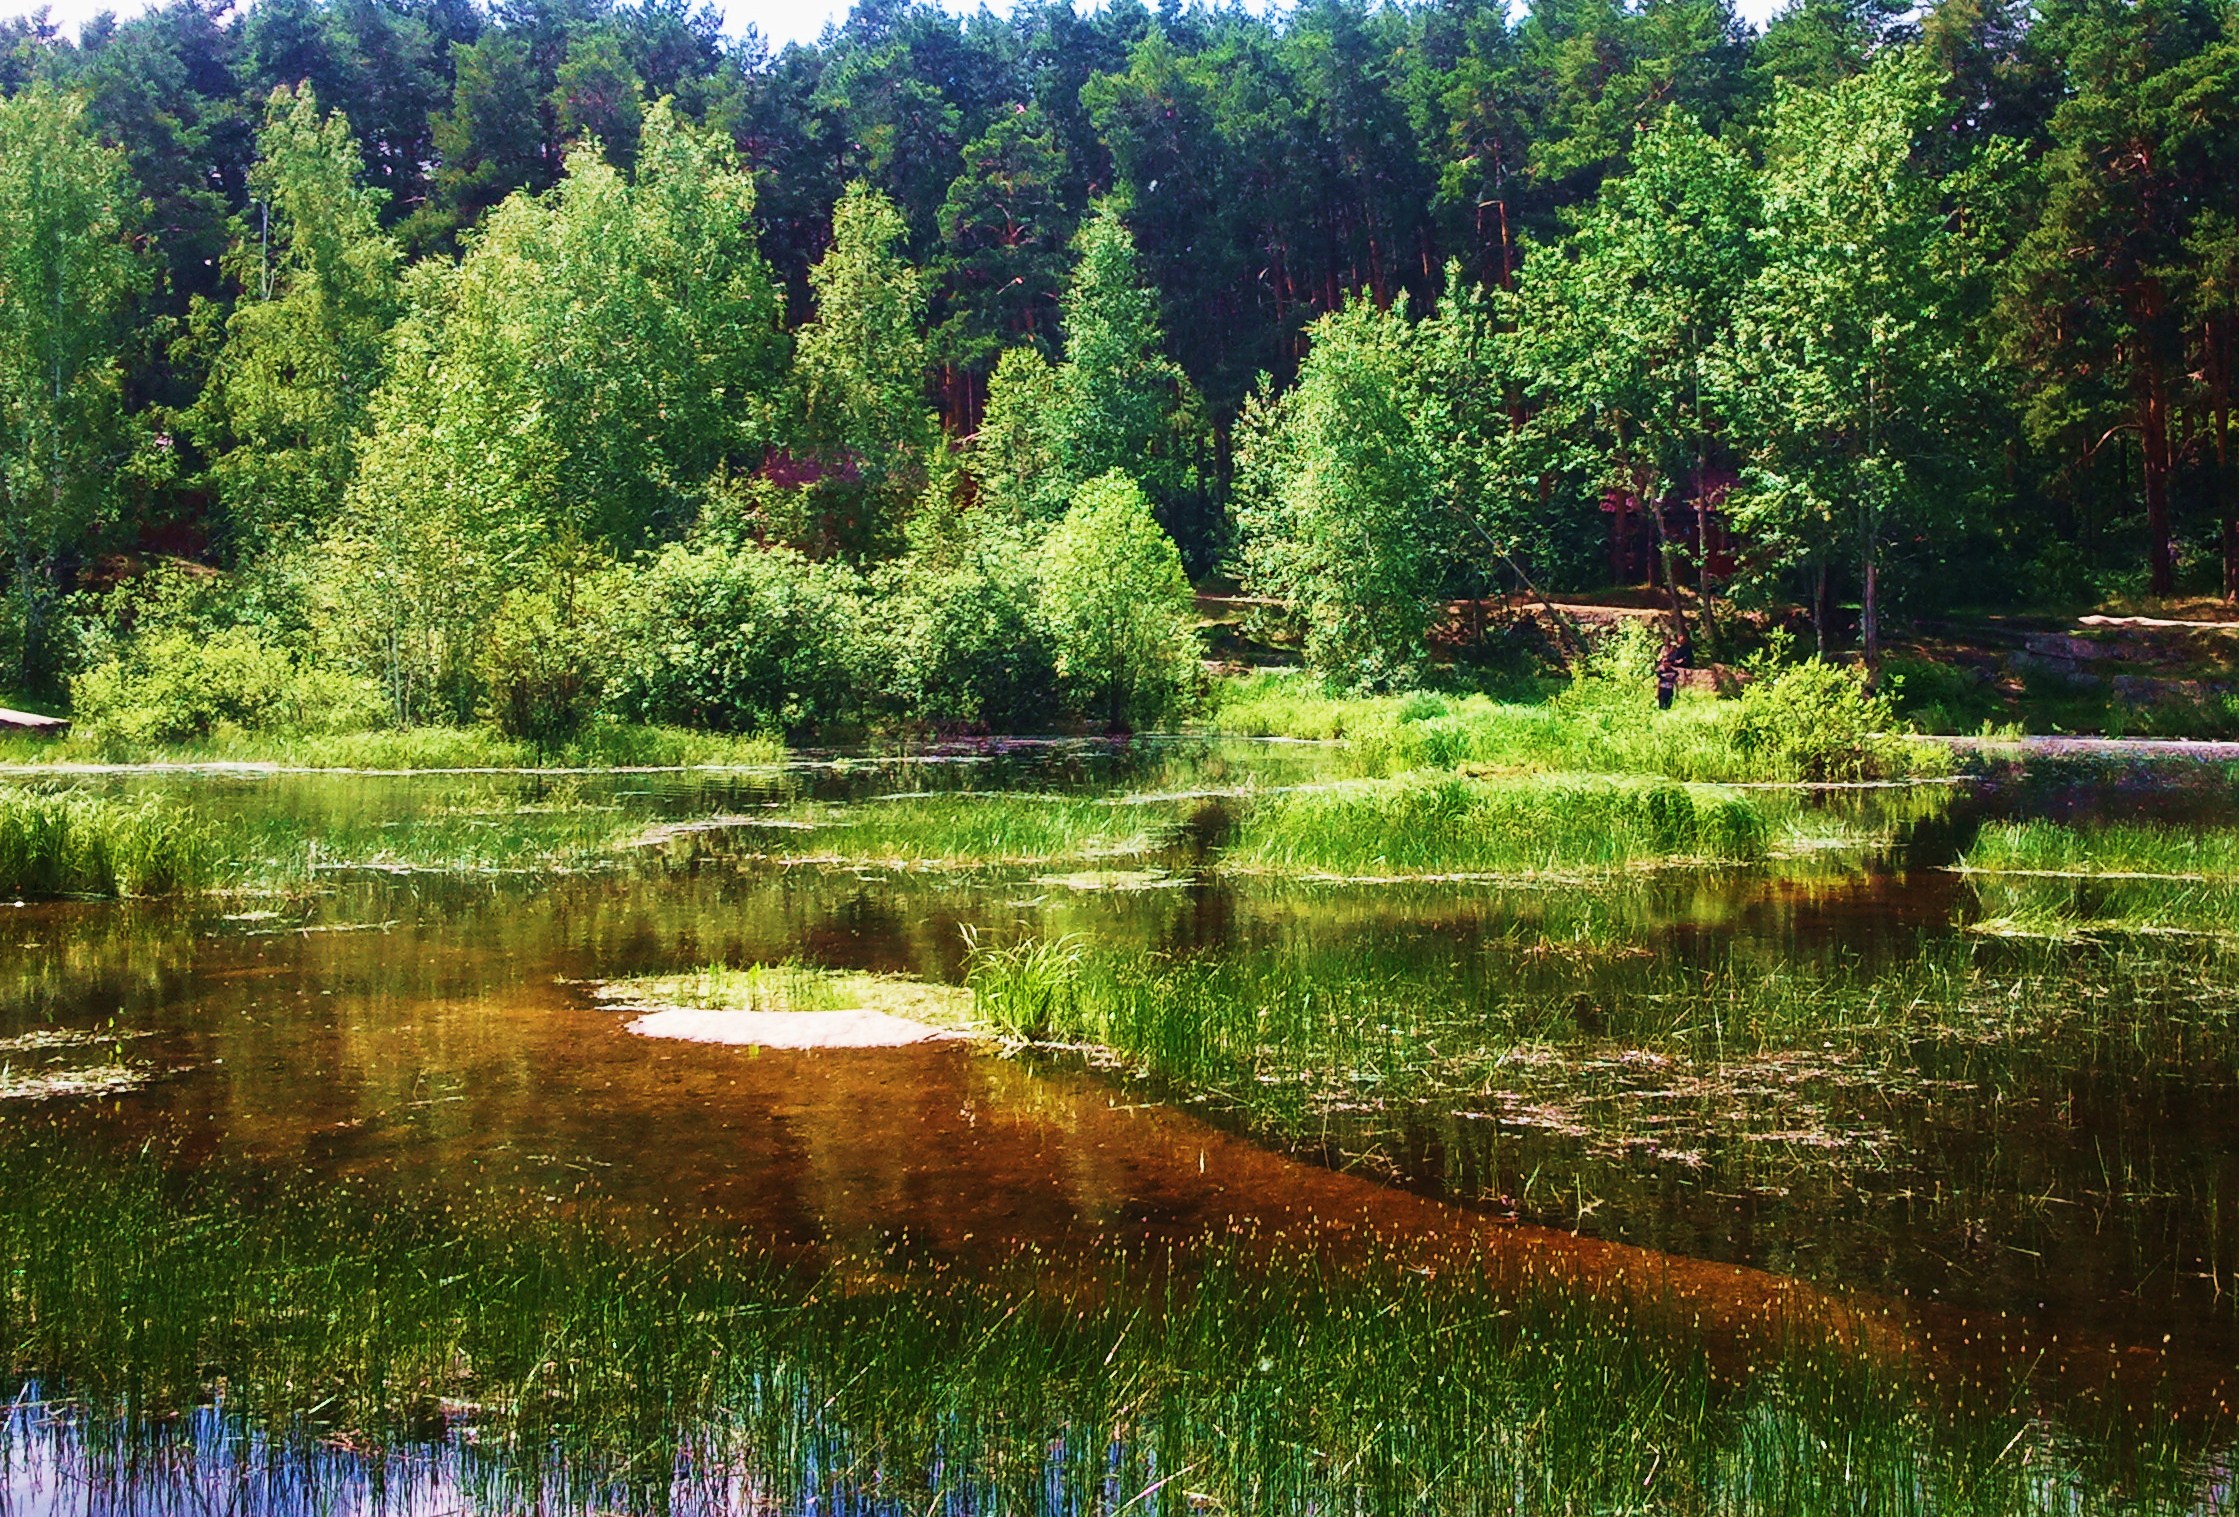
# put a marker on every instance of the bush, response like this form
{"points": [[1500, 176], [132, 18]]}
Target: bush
{"points": [[172, 685], [77, 844], [1815, 721], [544, 666], [1119, 608], [964, 641], [736, 640]]}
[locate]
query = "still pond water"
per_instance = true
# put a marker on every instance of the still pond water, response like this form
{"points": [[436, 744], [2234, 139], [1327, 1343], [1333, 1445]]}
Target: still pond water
{"points": [[434, 1031]]}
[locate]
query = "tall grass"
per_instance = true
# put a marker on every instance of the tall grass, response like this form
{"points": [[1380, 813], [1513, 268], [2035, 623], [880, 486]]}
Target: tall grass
{"points": [[1810, 724], [1431, 824], [2055, 879], [565, 1365], [601, 746], [72, 843]]}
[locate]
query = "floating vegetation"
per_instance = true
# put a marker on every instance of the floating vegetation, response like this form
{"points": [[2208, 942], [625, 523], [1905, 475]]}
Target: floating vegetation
{"points": [[113, 1078]]}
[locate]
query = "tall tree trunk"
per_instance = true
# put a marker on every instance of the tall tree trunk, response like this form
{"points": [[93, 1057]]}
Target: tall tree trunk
{"points": [[1869, 611], [1819, 608], [2153, 451], [2227, 488]]}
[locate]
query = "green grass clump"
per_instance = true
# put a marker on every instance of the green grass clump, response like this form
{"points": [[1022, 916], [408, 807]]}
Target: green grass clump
{"points": [[72, 843], [1439, 824], [601, 746], [963, 830], [2053, 879], [600, 1367], [1808, 723]]}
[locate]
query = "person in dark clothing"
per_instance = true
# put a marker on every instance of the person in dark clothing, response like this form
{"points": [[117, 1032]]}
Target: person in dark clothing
{"points": [[1667, 675]]}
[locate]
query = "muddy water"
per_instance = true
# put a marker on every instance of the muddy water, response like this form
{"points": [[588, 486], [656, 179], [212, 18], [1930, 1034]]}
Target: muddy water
{"points": [[435, 1032]]}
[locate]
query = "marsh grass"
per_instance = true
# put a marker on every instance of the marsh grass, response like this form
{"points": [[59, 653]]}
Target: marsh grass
{"points": [[965, 831], [414, 749], [563, 1364], [1438, 824], [2055, 880], [70, 842], [1545, 1073], [1603, 723]]}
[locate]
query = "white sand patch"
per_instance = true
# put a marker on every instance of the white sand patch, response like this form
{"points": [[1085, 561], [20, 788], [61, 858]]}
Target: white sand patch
{"points": [[856, 1027]]}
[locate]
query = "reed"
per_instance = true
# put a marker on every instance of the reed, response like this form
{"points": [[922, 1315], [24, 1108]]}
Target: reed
{"points": [[565, 1364], [2055, 880], [1437, 824], [73, 843]]}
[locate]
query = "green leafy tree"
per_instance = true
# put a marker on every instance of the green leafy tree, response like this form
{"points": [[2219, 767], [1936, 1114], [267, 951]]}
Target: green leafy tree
{"points": [[68, 278], [1119, 607], [860, 366], [1122, 403], [1614, 326], [1338, 504], [1014, 455], [306, 345], [601, 354], [1852, 357]]}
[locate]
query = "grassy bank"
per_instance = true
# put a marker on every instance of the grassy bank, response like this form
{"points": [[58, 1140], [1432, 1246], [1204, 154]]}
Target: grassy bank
{"points": [[564, 1365], [604, 746], [1811, 725]]}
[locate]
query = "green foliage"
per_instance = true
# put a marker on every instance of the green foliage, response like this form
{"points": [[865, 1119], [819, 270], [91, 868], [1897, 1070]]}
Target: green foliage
{"points": [[860, 368], [297, 362], [596, 357], [174, 685], [1447, 824], [71, 843], [1851, 360], [1337, 501], [68, 275], [737, 640], [545, 665], [960, 624], [1119, 608], [1014, 456], [1124, 404], [1816, 721]]}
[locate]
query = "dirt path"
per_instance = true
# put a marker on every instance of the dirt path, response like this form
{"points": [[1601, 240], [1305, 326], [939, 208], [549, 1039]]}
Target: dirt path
{"points": [[2139, 748]]}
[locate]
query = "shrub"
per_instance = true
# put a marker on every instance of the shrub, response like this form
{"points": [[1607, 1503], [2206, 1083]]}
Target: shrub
{"points": [[736, 640], [1815, 721], [961, 629], [172, 685], [1119, 608], [77, 844], [544, 666]]}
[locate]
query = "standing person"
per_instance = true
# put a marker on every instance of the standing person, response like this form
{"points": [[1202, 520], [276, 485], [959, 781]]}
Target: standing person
{"points": [[1667, 675]]}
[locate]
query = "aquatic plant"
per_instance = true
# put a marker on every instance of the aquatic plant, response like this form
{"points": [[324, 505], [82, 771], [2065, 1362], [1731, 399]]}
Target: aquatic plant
{"points": [[567, 1362], [74, 843], [2056, 879], [1432, 824]]}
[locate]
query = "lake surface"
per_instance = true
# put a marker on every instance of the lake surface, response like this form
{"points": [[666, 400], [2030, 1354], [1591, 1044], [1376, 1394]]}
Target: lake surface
{"points": [[2075, 1177]]}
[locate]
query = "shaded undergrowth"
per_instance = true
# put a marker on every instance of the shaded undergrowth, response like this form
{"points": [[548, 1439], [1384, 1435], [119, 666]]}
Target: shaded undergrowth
{"points": [[556, 1362]]}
